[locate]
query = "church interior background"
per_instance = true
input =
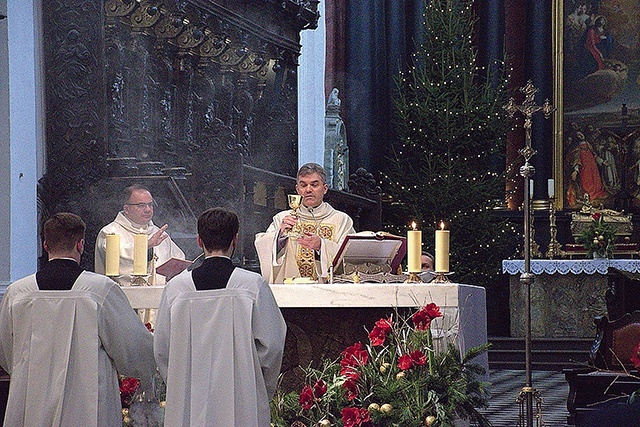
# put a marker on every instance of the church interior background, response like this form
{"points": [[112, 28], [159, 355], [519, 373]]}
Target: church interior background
{"points": [[217, 103], [199, 101]]}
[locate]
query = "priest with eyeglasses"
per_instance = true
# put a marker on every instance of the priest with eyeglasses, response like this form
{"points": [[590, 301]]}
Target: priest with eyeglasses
{"points": [[135, 218]]}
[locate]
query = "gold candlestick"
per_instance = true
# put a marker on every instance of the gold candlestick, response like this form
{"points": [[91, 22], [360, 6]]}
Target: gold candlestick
{"points": [[555, 248]]}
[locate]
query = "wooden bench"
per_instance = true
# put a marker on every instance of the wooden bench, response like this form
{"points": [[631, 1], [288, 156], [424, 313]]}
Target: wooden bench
{"points": [[610, 377]]}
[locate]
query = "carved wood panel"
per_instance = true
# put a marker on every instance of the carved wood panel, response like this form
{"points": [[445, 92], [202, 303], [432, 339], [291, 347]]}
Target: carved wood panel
{"points": [[173, 95]]}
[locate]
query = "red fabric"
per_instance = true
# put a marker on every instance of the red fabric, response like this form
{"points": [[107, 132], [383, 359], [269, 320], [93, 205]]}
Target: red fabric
{"points": [[590, 180]]}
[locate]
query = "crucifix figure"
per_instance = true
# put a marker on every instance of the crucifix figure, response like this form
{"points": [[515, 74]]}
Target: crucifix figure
{"points": [[528, 108]]}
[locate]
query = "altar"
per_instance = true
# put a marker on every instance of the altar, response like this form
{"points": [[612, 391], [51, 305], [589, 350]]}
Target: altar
{"points": [[324, 319], [566, 295]]}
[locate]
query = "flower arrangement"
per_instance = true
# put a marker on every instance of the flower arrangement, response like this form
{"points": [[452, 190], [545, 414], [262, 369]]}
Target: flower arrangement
{"points": [[598, 238], [397, 379]]}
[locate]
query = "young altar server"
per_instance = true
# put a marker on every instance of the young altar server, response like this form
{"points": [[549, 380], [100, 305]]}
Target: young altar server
{"points": [[219, 336], [65, 335]]}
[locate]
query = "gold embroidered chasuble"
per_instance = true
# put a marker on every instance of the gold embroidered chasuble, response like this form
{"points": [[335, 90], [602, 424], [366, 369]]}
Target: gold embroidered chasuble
{"points": [[293, 260]]}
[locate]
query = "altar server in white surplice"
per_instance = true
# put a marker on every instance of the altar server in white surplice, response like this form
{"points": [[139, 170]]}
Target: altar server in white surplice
{"points": [[324, 229], [136, 217], [219, 336], [65, 335]]}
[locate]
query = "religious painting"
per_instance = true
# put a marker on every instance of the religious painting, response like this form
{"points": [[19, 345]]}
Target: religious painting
{"points": [[598, 144]]}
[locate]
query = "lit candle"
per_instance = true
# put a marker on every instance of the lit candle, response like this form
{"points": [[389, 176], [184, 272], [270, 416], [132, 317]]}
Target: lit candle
{"points": [[414, 249], [442, 249], [112, 261], [551, 188], [140, 254]]}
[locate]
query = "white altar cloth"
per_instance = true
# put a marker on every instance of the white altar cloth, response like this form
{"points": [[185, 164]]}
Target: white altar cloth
{"points": [[570, 266], [463, 306]]}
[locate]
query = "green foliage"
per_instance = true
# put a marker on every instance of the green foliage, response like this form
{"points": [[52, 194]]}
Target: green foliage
{"points": [[447, 160], [598, 238], [444, 385]]}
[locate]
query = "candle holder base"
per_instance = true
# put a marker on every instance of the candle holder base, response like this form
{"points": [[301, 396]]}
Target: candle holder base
{"points": [[116, 278], [413, 278], [441, 277], [139, 280]]}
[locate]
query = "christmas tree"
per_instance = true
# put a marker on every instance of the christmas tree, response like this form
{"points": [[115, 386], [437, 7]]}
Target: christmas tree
{"points": [[447, 160]]}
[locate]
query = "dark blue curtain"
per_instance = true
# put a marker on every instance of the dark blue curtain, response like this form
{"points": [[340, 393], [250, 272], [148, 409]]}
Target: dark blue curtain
{"points": [[538, 61], [380, 37]]}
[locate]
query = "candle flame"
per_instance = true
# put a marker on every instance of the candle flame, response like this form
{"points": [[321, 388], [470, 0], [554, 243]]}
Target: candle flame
{"points": [[413, 225], [441, 225]]}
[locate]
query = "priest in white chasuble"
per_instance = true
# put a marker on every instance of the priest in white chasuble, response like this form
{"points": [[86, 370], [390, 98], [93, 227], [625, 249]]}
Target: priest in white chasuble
{"points": [[323, 229], [219, 337], [65, 335], [135, 218]]}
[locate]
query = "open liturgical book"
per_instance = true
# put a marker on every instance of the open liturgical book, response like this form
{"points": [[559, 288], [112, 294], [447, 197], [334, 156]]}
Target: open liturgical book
{"points": [[173, 267], [370, 252]]}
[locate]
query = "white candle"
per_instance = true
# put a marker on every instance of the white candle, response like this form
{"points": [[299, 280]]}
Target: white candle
{"points": [[414, 249], [551, 188], [112, 261], [140, 254], [442, 250], [531, 189]]}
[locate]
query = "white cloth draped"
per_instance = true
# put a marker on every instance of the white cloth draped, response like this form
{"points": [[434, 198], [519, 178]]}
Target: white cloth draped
{"points": [[126, 229], [220, 351], [63, 348], [330, 224]]}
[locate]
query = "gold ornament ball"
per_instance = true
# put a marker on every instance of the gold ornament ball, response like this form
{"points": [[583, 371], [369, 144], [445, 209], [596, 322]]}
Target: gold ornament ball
{"points": [[324, 423], [126, 420], [125, 411], [400, 375], [373, 407], [163, 404], [600, 237], [386, 408], [429, 420]]}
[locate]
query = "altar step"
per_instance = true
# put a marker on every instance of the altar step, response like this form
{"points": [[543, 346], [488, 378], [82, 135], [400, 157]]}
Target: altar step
{"points": [[547, 354]]}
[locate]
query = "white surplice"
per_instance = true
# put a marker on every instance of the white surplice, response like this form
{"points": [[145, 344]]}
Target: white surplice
{"points": [[63, 348], [295, 261], [126, 229], [219, 351]]}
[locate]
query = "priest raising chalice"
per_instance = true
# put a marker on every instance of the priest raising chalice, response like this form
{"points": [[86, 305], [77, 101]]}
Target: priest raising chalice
{"points": [[321, 230]]}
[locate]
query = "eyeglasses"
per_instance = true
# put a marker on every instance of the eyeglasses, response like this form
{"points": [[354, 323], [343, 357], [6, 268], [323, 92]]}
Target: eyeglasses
{"points": [[142, 205]]}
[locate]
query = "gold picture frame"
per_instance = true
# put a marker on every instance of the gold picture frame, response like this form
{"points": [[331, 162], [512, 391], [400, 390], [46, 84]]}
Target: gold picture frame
{"points": [[597, 107]]}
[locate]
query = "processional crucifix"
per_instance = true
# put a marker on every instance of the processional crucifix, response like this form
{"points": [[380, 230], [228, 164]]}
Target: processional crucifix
{"points": [[528, 108]]}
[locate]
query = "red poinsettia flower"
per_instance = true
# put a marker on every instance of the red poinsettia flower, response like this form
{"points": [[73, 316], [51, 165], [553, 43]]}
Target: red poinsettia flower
{"points": [[351, 388], [128, 387], [405, 362], [635, 357], [319, 389], [596, 216], [418, 358], [354, 356], [149, 327], [306, 398], [385, 324], [350, 372], [355, 417], [422, 318], [377, 336]]}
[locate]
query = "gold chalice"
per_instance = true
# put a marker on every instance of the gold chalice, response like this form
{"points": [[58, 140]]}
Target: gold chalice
{"points": [[295, 201]]}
